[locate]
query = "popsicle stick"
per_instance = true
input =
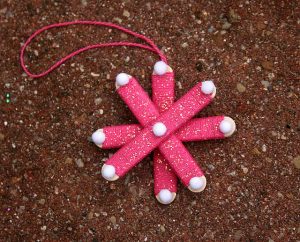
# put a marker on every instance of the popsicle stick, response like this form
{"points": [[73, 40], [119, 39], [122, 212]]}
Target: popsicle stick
{"points": [[201, 129], [165, 180], [196, 129], [138, 101], [117, 136], [182, 162]]}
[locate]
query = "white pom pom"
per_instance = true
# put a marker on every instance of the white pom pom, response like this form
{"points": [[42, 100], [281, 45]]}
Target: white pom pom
{"points": [[208, 87], [122, 79], [108, 172], [227, 126], [98, 137], [160, 68], [197, 184], [159, 129], [165, 196]]}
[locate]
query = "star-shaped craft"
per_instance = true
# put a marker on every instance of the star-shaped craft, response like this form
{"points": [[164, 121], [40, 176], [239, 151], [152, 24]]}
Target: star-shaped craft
{"points": [[163, 126]]}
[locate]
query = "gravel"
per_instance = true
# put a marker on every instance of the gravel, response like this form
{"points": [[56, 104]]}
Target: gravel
{"points": [[240, 87], [79, 163]]}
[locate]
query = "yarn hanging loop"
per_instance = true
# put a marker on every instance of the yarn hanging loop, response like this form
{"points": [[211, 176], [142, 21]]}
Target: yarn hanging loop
{"points": [[150, 47]]}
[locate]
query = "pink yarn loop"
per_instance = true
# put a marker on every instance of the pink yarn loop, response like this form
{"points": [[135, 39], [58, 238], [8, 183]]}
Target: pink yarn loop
{"points": [[151, 46]]}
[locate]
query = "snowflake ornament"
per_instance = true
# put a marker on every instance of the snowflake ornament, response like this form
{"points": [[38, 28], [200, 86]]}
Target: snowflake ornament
{"points": [[163, 123], [163, 126]]}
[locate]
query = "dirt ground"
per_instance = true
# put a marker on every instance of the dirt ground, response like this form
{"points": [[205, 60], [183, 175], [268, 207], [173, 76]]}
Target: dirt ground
{"points": [[50, 183]]}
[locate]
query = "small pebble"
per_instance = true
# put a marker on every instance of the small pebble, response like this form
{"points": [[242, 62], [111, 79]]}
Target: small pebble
{"points": [[117, 20], [296, 162], [233, 16], [113, 220], [255, 151], [261, 25], [90, 215], [148, 5], [21, 209], [238, 235], [3, 10], [126, 14], [211, 167], [233, 173], [2, 137], [56, 191], [184, 45], [162, 228], [68, 161], [124, 36], [133, 190], [271, 76], [42, 201], [98, 100], [267, 65], [43, 228], [84, 3], [127, 59], [226, 26], [179, 85], [240, 87], [266, 84], [245, 169], [211, 29], [81, 68], [93, 74], [280, 195], [79, 163]]}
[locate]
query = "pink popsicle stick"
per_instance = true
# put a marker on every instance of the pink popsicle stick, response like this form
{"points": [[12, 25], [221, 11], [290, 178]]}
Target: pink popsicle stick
{"points": [[201, 129], [146, 141], [138, 102], [117, 136], [180, 160], [196, 129], [165, 180]]}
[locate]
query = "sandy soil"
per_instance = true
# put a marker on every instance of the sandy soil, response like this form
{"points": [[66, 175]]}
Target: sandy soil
{"points": [[50, 182]]}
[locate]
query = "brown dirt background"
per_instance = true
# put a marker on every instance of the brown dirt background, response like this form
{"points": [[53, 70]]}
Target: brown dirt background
{"points": [[249, 48]]}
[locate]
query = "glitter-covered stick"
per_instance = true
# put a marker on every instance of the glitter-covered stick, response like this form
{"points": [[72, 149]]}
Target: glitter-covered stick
{"points": [[163, 95], [197, 129], [208, 128], [157, 132], [111, 137]]}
